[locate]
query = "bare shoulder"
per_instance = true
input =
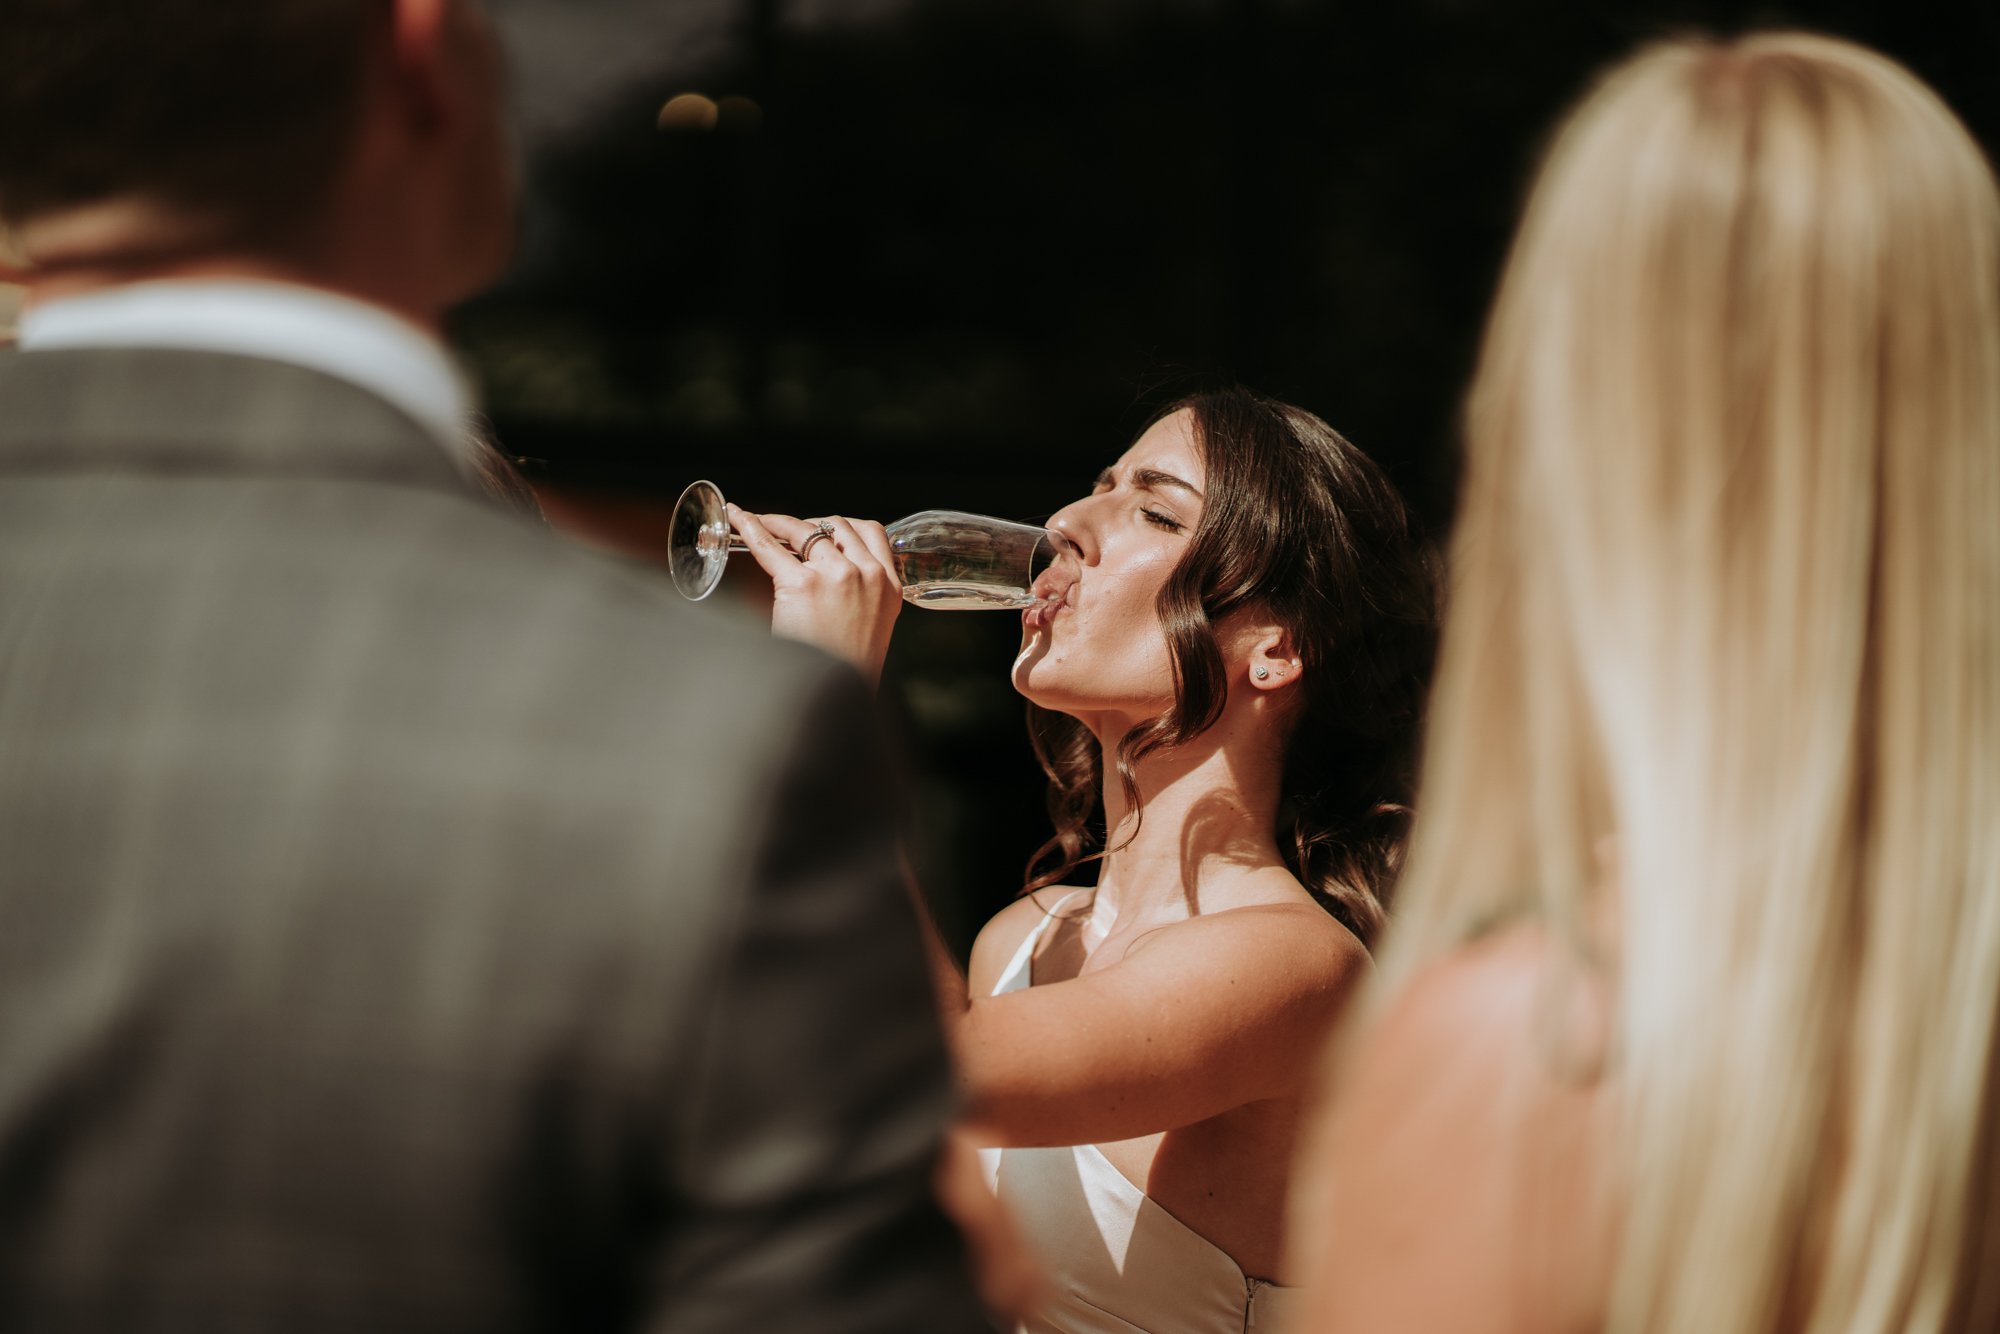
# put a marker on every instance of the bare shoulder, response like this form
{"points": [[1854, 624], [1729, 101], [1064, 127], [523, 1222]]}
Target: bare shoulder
{"points": [[1491, 1052], [994, 948], [1465, 1125], [1512, 1006]]}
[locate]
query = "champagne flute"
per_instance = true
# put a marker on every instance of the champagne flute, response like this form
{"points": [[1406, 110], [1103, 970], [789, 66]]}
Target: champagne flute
{"points": [[947, 560]]}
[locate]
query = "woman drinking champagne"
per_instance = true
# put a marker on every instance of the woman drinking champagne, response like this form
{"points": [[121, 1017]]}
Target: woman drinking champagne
{"points": [[1230, 655]]}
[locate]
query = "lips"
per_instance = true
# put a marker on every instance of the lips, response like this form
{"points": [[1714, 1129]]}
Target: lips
{"points": [[1052, 591]]}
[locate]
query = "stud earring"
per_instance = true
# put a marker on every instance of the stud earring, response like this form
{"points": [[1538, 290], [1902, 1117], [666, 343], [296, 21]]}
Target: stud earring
{"points": [[1261, 673]]}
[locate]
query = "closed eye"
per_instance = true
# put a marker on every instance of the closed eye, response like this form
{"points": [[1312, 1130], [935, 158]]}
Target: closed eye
{"points": [[1166, 521]]}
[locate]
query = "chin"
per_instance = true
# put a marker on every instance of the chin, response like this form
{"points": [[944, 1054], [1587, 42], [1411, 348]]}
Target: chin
{"points": [[1085, 701], [1039, 678], [1023, 680], [1035, 687], [1062, 684]]}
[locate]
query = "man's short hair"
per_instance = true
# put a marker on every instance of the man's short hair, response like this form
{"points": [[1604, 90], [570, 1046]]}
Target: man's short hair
{"points": [[237, 108]]}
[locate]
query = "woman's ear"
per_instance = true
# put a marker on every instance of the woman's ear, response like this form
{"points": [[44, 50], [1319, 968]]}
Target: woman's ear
{"points": [[1274, 661]]}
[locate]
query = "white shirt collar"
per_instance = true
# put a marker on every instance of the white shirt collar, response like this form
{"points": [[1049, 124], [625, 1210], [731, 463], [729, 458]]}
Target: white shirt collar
{"points": [[350, 340]]}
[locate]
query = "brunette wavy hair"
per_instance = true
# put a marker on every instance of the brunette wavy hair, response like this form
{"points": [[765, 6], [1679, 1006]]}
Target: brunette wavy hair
{"points": [[1301, 523]]}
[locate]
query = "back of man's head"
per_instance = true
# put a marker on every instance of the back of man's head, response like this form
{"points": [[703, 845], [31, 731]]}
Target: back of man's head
{"points": [[234, 112]]}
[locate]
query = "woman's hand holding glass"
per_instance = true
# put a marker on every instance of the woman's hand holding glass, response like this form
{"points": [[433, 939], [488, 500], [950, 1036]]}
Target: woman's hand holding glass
{"points": [[834, 582]]}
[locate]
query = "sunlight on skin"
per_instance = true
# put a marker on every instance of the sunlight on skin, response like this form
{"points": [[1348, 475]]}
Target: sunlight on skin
{"points": [[1034, 642]]}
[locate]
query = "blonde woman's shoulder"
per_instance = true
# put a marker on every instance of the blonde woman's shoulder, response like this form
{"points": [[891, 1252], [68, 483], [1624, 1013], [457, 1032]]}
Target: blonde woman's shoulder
{"points": [[1463, 1134]]}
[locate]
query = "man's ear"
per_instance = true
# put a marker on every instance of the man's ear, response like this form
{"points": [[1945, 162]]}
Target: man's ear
{"points": [[421, 34]]}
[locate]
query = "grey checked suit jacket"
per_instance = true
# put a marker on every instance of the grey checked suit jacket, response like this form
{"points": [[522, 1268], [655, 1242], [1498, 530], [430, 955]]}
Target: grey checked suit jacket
{"points": [[409, 923]]}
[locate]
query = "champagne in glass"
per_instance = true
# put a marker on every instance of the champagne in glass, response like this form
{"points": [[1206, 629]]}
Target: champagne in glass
{"points": [[947, 560]]}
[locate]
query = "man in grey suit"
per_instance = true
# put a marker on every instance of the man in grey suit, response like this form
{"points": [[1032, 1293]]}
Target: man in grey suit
{"points": [[406, 923]]}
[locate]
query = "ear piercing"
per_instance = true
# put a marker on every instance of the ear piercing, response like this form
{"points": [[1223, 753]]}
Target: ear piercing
{"points": [[1261, 673]]}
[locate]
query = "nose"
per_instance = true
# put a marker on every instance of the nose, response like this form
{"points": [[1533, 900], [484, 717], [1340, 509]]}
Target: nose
{"points": [[1072, 528]]}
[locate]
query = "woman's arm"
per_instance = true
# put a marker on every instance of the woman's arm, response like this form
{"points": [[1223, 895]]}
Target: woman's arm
{"points": [[1196, 1018]]}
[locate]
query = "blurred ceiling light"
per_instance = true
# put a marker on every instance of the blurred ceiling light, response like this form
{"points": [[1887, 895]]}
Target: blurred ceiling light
{"points": [[688, 111], [739, 113]]}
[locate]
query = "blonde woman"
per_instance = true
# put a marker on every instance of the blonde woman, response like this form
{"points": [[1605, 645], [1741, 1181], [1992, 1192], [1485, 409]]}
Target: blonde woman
{"points": [[1688, 1021]]}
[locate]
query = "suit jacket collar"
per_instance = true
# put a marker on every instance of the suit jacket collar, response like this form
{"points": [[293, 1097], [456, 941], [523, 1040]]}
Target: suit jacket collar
{"points": [[174, 411], [341, 336]]}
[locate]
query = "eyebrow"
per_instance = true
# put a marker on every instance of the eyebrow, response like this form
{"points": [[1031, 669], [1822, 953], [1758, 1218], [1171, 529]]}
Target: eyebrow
{"points": [[1152, 479]]}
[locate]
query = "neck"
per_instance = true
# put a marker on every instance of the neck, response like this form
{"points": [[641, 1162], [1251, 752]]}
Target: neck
{"points": [[116, 244], [1209, 809]]}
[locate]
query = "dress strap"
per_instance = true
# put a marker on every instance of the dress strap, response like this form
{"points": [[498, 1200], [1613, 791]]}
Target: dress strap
{"points": [[1017, 974]]}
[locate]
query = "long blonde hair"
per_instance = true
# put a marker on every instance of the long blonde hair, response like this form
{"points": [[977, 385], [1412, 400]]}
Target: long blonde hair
{"points": [[1726, 595]]}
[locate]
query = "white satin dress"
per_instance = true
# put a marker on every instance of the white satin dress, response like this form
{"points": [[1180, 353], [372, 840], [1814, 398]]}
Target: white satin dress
{"points": [[1116, 1261]]}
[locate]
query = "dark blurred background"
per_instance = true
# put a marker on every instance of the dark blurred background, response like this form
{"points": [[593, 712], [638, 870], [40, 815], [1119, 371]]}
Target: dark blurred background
{"points": [[875, 256]]}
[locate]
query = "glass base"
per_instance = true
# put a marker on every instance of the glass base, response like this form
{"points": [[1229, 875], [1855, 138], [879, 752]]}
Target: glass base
{"points": [[698, 541]]}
